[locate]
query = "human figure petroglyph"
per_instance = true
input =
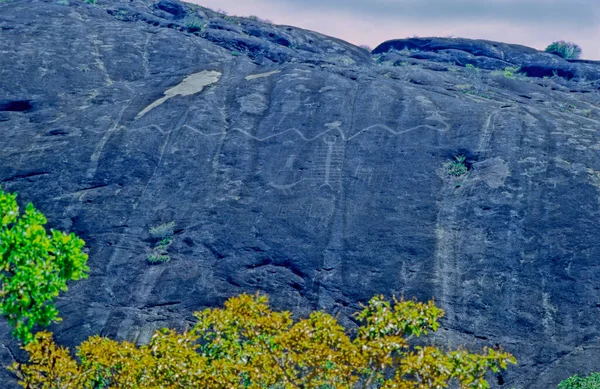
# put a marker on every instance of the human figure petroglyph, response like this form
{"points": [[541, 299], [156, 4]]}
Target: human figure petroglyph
{"points": [[330, 141]]}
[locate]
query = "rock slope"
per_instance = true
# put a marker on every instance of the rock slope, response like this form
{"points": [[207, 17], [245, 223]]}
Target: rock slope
{"points": [[305, 167]]}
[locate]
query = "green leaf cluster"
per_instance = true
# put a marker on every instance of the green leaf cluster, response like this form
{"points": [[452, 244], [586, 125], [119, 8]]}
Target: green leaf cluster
{"points": [[591, 381], [457, 167], [35, 267], [247, 345]]}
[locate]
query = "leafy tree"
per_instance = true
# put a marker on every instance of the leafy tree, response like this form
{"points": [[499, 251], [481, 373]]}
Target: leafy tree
{"points": [[591, 381], [247, 345], [34, 267]]}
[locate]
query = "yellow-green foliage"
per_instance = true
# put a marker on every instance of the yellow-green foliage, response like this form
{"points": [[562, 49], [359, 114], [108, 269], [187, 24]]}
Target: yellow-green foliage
{"points": [[35, 267], [247, 345]]}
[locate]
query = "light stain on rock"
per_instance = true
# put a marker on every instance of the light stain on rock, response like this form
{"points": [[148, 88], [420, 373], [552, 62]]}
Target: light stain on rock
{"points": [[191, 85]]}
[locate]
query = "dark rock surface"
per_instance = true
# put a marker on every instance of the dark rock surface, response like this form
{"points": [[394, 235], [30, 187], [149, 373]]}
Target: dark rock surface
{"points": [[493, 56], [300, 165]]}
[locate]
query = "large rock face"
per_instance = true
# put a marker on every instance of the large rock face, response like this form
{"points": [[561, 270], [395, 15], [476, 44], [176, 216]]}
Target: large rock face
{"points": [[304, 167]]}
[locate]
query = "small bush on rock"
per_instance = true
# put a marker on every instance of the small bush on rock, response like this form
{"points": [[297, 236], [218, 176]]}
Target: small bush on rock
{"points": [[457, 167], [162, 236], [156, 258], [193, 23], [162, 231], [591, 381], [567, 50]]}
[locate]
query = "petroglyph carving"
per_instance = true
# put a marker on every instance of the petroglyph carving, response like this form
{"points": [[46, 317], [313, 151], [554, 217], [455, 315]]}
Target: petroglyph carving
{"points": [[486, 134], [300, 209], [364, 174], [100, 146], [436, 116], [191, 85], [334, 125], [197, 130], [326, 89], [286, 189], [289, 163], [330, 141], [261, 75], [329, 171], [253, 103]]}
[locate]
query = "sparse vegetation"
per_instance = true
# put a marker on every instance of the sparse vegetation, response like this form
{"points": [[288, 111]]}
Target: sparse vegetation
{"points": [[247, 345], [162, 231], [591, 381], [566, 107], [156, 258], [566, 50], [257, 19], [63, 2], [162, 235], [471, 68], [193, 23], [91, 1], [510, 72], [457, 167], [36, 266]]}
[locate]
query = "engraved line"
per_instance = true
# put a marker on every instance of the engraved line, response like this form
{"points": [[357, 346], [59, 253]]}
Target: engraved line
{"points": [[330, 140], [100, 147]]}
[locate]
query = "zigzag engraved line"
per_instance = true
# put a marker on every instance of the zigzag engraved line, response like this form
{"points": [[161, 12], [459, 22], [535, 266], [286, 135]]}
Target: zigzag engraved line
{"points": [[297, 132], [301, 134], [383, 126]]}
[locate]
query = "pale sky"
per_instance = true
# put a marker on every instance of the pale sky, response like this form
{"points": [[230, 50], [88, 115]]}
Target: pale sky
{"points": [[534, 23]]}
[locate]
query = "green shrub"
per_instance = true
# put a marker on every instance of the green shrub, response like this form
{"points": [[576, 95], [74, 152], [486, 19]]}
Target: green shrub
{"points": [[35, 267], [511, 72], [457, 167], [162, 235], [567, 50], [193, 23], [164, 243], [591, 381], [91, 1], [156, 258], [162, 231]]}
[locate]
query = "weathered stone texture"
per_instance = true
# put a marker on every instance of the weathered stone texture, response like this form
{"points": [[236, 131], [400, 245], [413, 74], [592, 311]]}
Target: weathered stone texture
{"points": [[302, 166]]}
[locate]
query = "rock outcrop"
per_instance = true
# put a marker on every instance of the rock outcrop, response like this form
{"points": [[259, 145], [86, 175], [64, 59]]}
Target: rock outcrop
{"points": [[305, 167]]}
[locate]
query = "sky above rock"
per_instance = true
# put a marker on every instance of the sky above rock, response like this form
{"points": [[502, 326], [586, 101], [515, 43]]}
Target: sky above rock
{"points": [[534, 23]]}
